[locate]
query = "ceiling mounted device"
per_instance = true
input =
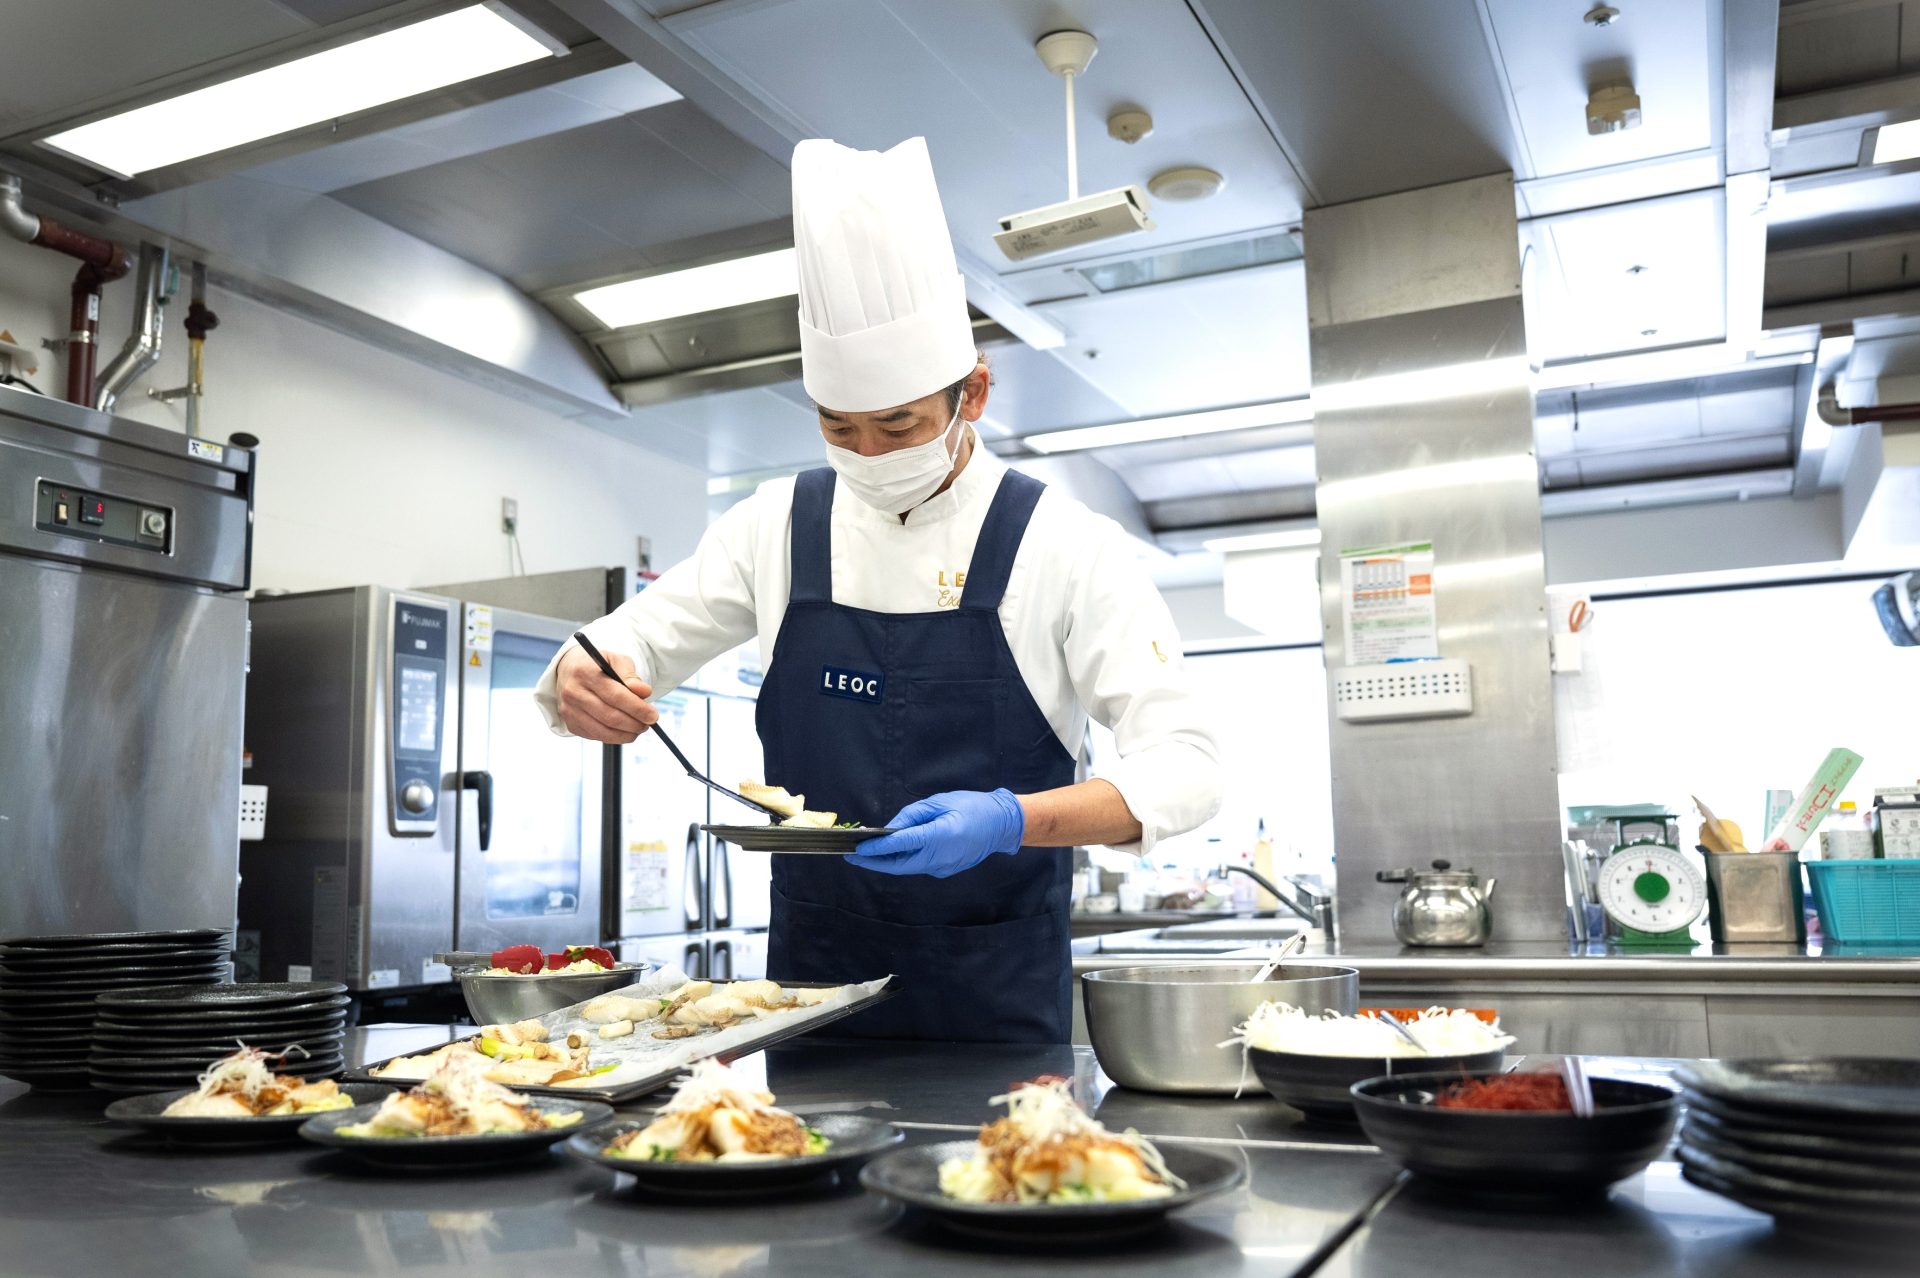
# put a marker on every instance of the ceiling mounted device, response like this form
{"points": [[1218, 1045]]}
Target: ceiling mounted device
{"points": [[1188, 182], [1613, 108], [1079, 220]]}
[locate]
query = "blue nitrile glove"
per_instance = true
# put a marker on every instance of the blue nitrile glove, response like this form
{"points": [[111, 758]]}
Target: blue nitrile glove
{"points": [[946, 834]]}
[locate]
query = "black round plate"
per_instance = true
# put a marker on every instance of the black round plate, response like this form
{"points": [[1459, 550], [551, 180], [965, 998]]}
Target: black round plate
{"points": [[912, 1176], [110, 980], [1838, 1173], [1322, 1086], [133, 1044], [1891, 1131], [1848, 1149], [1826, 1226], [198, 1060], [1513, 1152], [250, 997], [787, 838], [184, 1017], [86, 940], [854, 1139], [428, 1153], [1892, 1204], [28, 963], [145, 1112], [1848, 1088], [26, 998], [58, 1080]]}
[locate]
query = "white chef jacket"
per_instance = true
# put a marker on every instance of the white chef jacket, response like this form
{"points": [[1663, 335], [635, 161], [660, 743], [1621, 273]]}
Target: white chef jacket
{"points": [[1088, 631]]}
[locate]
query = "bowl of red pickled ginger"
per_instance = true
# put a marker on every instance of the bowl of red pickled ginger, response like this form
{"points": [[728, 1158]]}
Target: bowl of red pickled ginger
{"points": [[1515, 1133]]}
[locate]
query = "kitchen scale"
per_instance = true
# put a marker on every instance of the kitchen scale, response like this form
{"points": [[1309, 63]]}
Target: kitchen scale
{"points": [[1652, 894]]}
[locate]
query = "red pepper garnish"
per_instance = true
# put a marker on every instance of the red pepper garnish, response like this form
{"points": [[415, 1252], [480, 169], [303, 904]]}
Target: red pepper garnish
{"points": [[520, 959], [1545, 1093]]}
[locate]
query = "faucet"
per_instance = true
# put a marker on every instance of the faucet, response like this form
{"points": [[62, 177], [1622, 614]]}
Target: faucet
{"points": [[1310, 905]]}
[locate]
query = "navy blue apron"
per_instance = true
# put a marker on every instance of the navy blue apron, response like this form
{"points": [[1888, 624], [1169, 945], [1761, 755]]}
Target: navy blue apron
{"points": [[865, 712]]}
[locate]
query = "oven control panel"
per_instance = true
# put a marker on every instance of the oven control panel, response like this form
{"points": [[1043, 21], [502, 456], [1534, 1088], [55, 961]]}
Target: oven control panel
{"points": [[120, 521], [416, 715]]}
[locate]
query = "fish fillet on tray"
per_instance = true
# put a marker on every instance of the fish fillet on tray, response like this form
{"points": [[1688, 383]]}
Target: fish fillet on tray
{"points": [[632, 1041]]}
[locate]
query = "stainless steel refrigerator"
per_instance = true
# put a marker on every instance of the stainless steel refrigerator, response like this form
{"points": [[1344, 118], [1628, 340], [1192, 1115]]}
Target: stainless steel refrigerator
{"points": [[124, 558], [419, 802], [672, 893]]}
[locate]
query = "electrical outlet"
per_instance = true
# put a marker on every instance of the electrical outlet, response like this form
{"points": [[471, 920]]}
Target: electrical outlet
{"points": [[509, 515]]}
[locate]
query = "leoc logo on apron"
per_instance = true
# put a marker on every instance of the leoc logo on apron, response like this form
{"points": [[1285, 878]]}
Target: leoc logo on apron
{"points": [[854, 685]]}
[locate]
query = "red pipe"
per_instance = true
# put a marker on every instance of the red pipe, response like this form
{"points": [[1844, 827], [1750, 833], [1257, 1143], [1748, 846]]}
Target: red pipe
{"points": [[101, 262]]}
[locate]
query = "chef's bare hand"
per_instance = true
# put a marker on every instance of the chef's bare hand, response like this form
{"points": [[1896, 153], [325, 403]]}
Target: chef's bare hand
{"points": [[595, 707]]}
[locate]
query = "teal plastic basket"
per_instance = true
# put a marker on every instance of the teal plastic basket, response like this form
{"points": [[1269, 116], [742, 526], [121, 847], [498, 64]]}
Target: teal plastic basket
{"points": [[1867, 901]]}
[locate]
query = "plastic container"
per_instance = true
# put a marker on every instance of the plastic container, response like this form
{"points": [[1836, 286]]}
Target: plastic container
{"points": [[1875, 902], [1847, 836]]}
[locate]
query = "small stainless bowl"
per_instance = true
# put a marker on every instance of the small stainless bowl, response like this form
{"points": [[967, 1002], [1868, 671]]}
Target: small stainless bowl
{"points": [[1159, 1029], [501, 1000]]}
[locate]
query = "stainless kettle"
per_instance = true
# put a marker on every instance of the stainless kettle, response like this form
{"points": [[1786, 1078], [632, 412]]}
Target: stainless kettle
{"points": [[1441, 906]]}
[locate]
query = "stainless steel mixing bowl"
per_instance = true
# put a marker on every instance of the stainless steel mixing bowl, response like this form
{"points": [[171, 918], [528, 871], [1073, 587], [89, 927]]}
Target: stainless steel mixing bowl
{"points": [[1158, 1029], [501, 1000]]}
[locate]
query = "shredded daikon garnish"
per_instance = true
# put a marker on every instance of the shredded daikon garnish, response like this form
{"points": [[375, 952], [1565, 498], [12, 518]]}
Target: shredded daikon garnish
{"points": [[246, 1072], [1045, 1110], [708, 1082], [1281, 1027]]}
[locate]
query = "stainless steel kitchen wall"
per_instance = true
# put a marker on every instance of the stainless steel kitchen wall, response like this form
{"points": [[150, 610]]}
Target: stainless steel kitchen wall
{"points": [[1423, 431]]}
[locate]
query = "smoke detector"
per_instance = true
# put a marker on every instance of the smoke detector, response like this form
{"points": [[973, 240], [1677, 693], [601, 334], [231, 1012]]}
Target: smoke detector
{"points": [[1129, 125], [1188, 182], [1613, 108]]}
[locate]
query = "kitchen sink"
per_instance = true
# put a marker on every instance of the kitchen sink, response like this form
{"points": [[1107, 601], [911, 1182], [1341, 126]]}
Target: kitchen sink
{"points": [[1214, 937]]}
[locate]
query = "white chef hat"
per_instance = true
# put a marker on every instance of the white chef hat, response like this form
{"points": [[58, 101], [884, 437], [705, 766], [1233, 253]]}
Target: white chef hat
{"points": [[883, 310]]}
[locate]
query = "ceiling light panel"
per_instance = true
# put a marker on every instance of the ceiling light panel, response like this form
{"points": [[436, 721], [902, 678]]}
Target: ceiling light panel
{"points": [[1177, 426], [388, 67], [690, 292], [1897, 142]]}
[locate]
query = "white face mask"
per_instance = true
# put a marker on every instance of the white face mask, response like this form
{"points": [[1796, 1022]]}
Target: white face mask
{"points": [[898, 481]]}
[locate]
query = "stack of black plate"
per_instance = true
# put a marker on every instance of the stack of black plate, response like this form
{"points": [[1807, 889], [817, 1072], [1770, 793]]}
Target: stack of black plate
{"points": [[48, 984], [1830, 1148], [160, 1039]]}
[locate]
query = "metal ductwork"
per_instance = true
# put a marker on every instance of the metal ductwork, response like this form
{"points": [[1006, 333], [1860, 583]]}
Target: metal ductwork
{"points": [[142, 349], [15, 221]]}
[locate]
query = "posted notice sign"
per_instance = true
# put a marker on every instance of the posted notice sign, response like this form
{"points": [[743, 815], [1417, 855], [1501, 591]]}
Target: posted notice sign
{"points": [[1386, 600]]}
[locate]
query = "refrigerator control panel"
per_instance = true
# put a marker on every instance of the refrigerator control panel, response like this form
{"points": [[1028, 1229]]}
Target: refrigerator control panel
{"points": [[120, 521], [417, 716]]}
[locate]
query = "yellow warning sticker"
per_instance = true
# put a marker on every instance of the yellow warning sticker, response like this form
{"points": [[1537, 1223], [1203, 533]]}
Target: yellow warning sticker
{"points": [[473, 659]]}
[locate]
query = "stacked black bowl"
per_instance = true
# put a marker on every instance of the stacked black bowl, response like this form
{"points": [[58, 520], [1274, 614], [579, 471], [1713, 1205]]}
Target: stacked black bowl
{"points": [[48, 985], [1830, 1148], [158, 1040]]}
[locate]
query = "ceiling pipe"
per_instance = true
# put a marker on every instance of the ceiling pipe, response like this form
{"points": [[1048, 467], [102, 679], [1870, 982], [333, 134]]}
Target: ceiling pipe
{"points": [[1833, 415], [101, 262], [142, 349]]}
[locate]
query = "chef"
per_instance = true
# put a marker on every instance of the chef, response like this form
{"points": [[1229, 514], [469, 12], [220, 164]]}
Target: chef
{"points": [[936, 630]]}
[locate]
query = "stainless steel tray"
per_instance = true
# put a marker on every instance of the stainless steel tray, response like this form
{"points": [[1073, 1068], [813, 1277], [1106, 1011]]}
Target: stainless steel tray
{"points": [[786, 838], [646, 1086]]}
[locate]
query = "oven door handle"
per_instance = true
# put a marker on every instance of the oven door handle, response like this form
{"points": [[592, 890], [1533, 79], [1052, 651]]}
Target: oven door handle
{"points": [[481, 783]]}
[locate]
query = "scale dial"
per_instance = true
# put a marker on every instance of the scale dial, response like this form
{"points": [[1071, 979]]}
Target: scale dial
{"points": [[1652, 888]]}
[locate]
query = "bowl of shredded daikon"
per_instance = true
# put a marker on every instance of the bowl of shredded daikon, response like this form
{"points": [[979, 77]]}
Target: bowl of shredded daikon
{"points": [[1311, 1060]]}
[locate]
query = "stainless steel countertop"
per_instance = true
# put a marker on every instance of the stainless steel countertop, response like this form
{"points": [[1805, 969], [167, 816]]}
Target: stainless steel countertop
{"points": [[1508, 961], [90, 1198]]}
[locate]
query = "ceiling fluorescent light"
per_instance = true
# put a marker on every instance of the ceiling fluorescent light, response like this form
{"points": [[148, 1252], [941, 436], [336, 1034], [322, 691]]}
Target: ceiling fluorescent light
{"points": [[689, 292], [1289, 539], [1897, 142], [1179, 425], [401, 63], [1679, 363]]}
